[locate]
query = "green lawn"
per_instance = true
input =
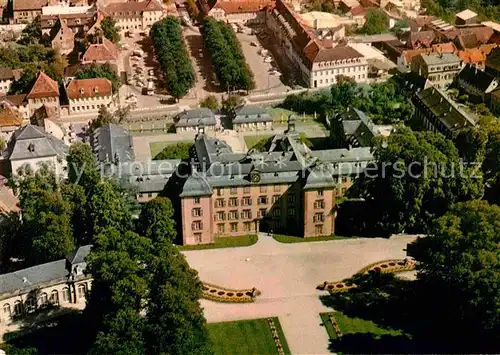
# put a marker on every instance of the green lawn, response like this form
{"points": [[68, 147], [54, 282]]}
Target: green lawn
{"points": [[281, 114], [249, 337], [225, 242], [293, 239], [157, 147], [350, 325], [250, 141]]}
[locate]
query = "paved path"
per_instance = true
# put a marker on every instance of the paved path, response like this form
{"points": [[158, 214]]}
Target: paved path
{"points": [[287, 275]]}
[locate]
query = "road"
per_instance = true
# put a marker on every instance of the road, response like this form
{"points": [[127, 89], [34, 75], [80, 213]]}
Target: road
{"points": [[287, 276]]}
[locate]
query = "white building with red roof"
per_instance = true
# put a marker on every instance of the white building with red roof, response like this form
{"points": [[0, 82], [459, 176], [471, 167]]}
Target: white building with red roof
{"points": [[105, 52], [135, 16], [240, 11], [45, 91], [89, 95]]}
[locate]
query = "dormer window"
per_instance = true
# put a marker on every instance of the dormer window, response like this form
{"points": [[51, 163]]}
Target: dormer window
{"points": [[82, 91], [31, 147], [96, 90]]}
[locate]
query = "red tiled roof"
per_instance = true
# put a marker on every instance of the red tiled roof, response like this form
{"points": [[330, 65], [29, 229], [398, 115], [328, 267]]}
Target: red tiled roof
{"points": [[476, 55], [436, 48], [79, 88], [15, 100], [238, 6], [315, 53], [20, 5], [44, 87], [358, 11], [424, 38], [102, 52], [130, 8], [483, 33]]}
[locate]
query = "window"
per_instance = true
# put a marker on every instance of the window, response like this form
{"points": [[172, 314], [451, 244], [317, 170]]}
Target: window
{"points": [[18, 308], [262, 200], [263, 188], [318, 217], [275, 198], [246, 189], [234, 227], [247, 226], [320, 192], [233, 215], [276, 212], [318, 229], [220, 202], [220, 192], [291, 199], [246, 201], [197, 212], [246, 214], [233, 202], [234, 190], [81, 291], [197, 225], [30, 304], [220, 216], [319, 204], [262, 212], [197, 237], [54, 297], [291, 212], [196, 200], [6, 310], [220, 228], [66, 295]]}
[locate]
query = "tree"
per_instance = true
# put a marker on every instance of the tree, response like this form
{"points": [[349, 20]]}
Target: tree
{"points": [[458, 264], [25, 82], [32, 33], [231, 102], [471, 144], [82, 167], [175, 321], [172, 56], [376, 23], [491, 168], [100, 71], [210, 102], [174, 151], [109, 206], [193, 10], [103, 117], [3, 144], [156, 219], [109, 30], [417, 175]]}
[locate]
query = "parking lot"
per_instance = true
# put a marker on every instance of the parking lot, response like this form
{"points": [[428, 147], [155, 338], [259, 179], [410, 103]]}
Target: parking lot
{"points": [[266, 73]]}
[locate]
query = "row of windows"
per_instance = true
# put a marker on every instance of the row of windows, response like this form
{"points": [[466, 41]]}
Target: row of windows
{"points": [[235, 227], [89, 107], [339, 71], [246, 189], [43, 300], [247, 201], [360, 76]]}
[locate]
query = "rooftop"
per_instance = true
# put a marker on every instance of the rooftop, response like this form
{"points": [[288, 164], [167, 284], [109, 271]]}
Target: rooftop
{"points": [[44, 86], [441, 58], [86, 88], [112, 144], [31, 142], [466, 14], [101, 52]]}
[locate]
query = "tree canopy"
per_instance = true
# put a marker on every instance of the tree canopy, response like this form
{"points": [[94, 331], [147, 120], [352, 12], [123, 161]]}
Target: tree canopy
{"points": [[96, 70], [174, 151], [458, 262], [227, 57], [172, 56], [109, 30], [416, 177], [446, 9], [210, 102], [376, 23]]}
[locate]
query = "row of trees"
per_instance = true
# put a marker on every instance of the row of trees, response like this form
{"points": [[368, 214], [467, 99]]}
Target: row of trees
{"points": [[385, 103], [446, 9], [172, 56], [227, 57]]}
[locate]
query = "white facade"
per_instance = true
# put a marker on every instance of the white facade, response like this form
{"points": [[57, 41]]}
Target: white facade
{"points": [[90, 104], [325, 73], [57, 163], [134, 23], [253, 126], [5, 86]]}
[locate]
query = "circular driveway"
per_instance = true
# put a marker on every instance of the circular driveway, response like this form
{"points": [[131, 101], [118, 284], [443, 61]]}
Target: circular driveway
{"points": [[287, 276]]}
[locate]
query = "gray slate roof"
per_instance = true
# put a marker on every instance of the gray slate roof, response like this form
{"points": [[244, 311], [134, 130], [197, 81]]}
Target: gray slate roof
{"points": [[48, 273], [478, 79], [31, 142], [249, 114], [196, 185], [112, 144], [194, 118]]}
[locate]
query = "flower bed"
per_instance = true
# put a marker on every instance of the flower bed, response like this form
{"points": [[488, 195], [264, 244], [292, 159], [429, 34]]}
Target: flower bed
{"points": [[335, 325], [386, 267], [220, 294], [276, 337]]}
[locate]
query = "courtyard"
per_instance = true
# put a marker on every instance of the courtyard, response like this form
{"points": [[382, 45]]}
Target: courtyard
{"points": [[287, 276]]}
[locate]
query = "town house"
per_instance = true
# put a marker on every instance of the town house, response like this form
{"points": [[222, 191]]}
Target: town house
{"points": [[89, 95]]}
